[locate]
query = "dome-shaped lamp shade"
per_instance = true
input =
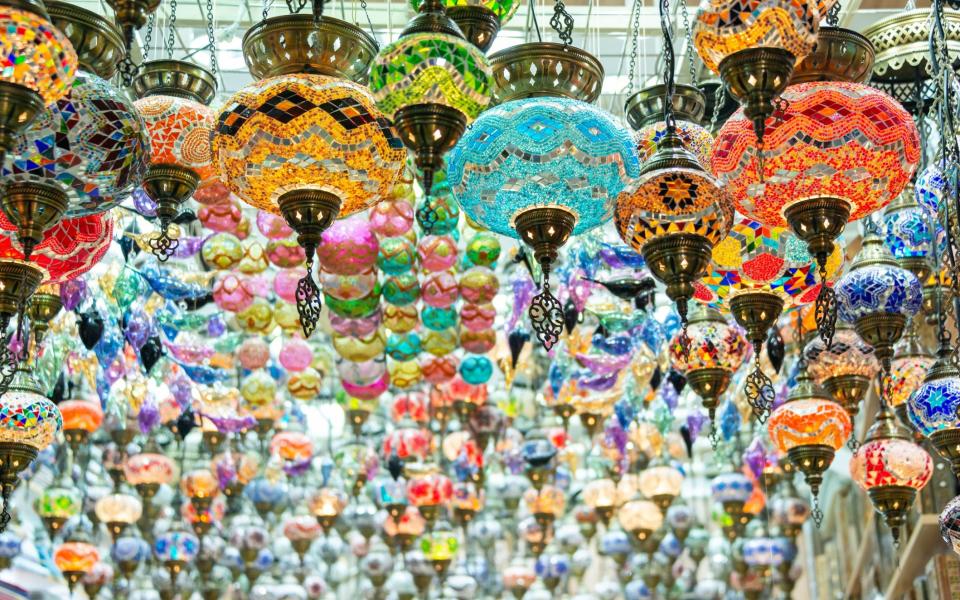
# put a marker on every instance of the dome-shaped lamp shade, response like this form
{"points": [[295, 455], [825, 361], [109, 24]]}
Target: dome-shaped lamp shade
{"points": [[846, 369], [68, 249]]}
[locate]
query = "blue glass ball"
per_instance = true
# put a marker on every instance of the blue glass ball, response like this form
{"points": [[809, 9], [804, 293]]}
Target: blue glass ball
{"points": [[476, 369], [907, 232], [615, 542], [176, 545], [933, 407], [637, 590], [262, 490], [877, 289], [9, 544], [403, 346], [931, 187], [129, 548], [731, 487], [438, 319], [540, 152]]}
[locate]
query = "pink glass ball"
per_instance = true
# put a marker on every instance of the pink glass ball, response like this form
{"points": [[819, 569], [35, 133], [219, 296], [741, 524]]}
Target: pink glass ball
{"points": [[437, 252], [253, 353], [231, 293], [285, 283], [349, 246], [439, 289], [391, 218], [272, 226], [296, 355]]}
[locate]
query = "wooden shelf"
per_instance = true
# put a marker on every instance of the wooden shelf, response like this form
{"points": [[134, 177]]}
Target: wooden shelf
{"points": [[923, 544], [859, 562]]}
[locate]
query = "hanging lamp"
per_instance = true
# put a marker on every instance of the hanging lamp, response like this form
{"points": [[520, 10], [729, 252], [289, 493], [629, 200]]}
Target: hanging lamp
{"points": [[907, 234], [479, 20], [304, 96], [845, 369], [544, 164], [18, 281], [910, 365], [431, 83], [645, 114]]}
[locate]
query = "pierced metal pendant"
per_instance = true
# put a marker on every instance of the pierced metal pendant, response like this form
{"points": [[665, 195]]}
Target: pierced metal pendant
{"points": [[562, 22], [308, 302], [759, 393], [163, 246], [546, 317], [825, 312]]}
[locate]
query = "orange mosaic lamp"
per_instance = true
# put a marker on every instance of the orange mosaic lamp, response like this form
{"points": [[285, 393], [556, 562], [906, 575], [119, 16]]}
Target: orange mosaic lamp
{"points": [[809, 428], [75, 559], [80, 419]]}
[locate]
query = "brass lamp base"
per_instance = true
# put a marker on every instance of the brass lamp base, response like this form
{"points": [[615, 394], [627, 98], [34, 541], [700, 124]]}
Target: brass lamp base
{"points": [[18, 281], [882, 331], [646, 106], [177, 78], [19, 106], [592, 422], [97, 41], [14, 458], [429, 131], [169, 186], [478, 23], [818, 222], [709, 385], [893, 502], [756, 77], [678, 260], [430, 513], [947, 443], [53, 525], [133, 13], [564, 411], [848, 390], [918, 265], [33, 208], [839, 55], [813, 461], [604, 513], [44, 305], [663, 501], [116, 529]]}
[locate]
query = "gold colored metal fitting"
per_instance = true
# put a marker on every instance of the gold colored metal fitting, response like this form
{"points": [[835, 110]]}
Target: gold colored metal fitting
{"points": [[18, 281], [756, 77], [848, 390], [430, 130], [756, 312], [177, 78], [813, 461], [132, 14], [818, 222], [882, 331], [97, 41], [893, 502], [289, 44], [947, 443], [169, 186], [709, 385], [309, 212], [647, 105], [479, 24], [541, 69], [902, 43], [19, 106], [839, 55], [678, 260], [33, 208], [545, 230]]}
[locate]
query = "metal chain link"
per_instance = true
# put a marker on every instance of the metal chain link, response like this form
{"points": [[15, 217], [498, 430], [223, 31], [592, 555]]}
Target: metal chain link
{"points": [[562, 22], [689, 35], [211, 39], [148, 37], [267, 5], [669, 64], [833, 15], [363, 6], [171, 29], [635, 49], [718, 97]]}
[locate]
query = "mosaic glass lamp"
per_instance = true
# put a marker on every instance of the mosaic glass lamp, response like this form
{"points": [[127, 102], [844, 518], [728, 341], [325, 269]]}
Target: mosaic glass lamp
{"points": [[661, 483], [326, 505], [891, 468], [950, 524], [546, 504], [714, 352], [601, 496], [310, 108], [75, 558], [429, 491], [931, 187], [118, 511], [544, 164], [644, 111], [732, 490], [877, 297], [175, 549], [57, 504], [845, 369], [910, 365], [29, 422], [753, 45], [908, 234], [479, 20], [85, 152], [431, 82], [809, 428], [173, 97], [757, 270], [640, 518], [840, 151], [38, 67], [933, 408], [789, 513], [440, 547], [80, 419], [66, 250]]}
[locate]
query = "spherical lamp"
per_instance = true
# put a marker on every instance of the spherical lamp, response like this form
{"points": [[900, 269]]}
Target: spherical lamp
{"points": [[845, 369], [645, 114], [640, 518], [118, 511], [544, 164], [949, 521], [601, 496], [908, 234], [56, 505], [661, 483], [910, 365], [732, 490], [934, 408], [326, 505], [75, 559], [80, 419], [431, 82]]}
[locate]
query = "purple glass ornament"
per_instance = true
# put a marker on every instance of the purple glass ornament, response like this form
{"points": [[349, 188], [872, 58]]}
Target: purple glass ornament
{"points": [[182, 390], [73, 293], [755, 457], [695, 422], [523, 292], [216, 326], [148, 417]]}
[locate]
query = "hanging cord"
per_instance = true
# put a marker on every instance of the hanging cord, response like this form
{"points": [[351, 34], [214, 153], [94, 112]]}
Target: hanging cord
{"points": [[211, 39], [366, 13], [562, 22], [536, 25], [171, 29], [688, 34], [634, 48]]}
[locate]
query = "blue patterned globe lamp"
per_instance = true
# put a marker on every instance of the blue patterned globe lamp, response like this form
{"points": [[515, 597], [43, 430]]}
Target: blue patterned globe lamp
{"points": [[877, 296], [732, 490], [934, 408], [85, 152], [908, 234], [431, 82], [544, 164]]}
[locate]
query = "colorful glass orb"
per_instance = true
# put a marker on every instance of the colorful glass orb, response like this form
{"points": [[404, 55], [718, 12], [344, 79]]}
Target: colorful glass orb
{"points": [[291, 445], [891, 461], [600, 493], [807, 422], [258, 388], [148, 468], [397, 255], [69, 249], [76, 557], [222, 251], [267, 128], [541, 152], [429, 489], [439, 319], [199, 483], [907, 372], [431, 68], [179, 130], [233, 467], [548, 500], [519, 576], [907, 232], [437, 252], [407, 443], [479, 285], [59, 502], [232, 293], [660, 480], [402, 290], [439, 290], [36, 55], [438, 370], [789, 511], [762, 552], [256, 318], [83, 415], [392, 217], [360, 349], [301, 527], [440, 206], [221, 217], [478, 317], [931, 187], [129, 549], [265, 492], [439, 545], [848, 355], [348, 247], [91, 144], [476, 370], [285, 254], [118, 508], [950, 524], [731, 487], [295, 354], [350, 287], [873, 285], [755, 257], [176, 545], [834, 139], [696, 139], [478, 342], [26, 416], [483, 249], [934, 405], [10, 545], [713, 344], [356, 308], [724, 27]]}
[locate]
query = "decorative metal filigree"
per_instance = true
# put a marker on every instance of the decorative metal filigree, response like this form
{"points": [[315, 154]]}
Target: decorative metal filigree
{"points": [[546, 317], [308, 299], [562, 22], [825, 309], [162, 245], [759, 390], [5, 491], [833, 15], [8, 358], [816, 514]]}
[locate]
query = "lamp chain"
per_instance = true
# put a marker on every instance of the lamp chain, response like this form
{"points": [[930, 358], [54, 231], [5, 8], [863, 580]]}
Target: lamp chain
{"points": [[688, 35], [668, 65], [267, 5], [171, 29], [833, 15], [366, 13], [634, 48], [718, 99], [533, 17], [562, 22], [211, 39], [148, 37], [8, 360]]}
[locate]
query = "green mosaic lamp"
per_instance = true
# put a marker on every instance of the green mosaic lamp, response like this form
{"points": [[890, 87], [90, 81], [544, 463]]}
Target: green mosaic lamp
{"points": [[431, 82], [480, 20]]}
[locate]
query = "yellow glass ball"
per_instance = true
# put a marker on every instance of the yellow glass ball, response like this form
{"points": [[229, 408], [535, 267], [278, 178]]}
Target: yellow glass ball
{"points": [[305, 384], [256, 318], [404, 374]]}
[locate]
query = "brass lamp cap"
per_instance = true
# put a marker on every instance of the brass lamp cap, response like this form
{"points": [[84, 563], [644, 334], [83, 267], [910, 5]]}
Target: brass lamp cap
{"points": [[432, 18], [177, 78], [902, 44], [18, 280], [646, 106], [839, 55], [98, 42], [289, 44], [545, 69]]}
